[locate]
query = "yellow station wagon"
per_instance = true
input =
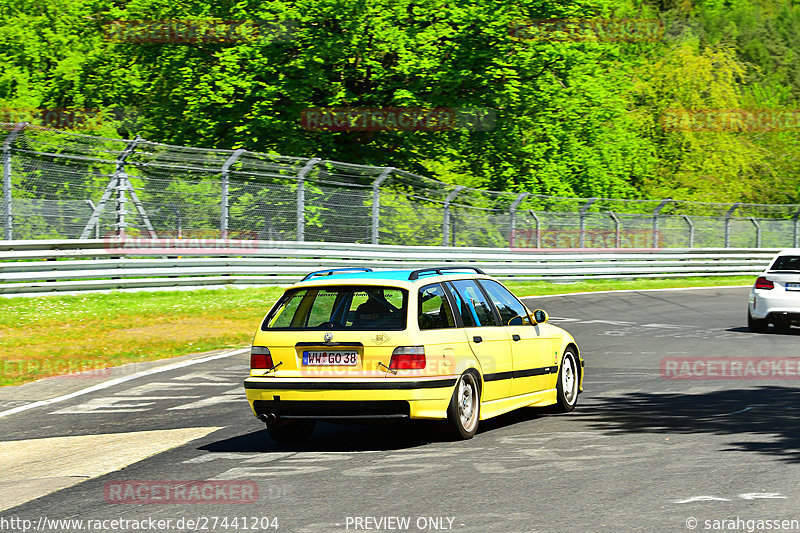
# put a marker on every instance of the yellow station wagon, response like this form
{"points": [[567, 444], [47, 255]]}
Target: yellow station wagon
{"points": [[447, 343]]}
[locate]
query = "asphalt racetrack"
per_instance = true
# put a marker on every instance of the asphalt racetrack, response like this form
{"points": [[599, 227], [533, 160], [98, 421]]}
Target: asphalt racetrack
{"points": [[642, 452]]}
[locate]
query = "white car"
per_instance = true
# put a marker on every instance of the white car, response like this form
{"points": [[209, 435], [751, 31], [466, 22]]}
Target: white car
{"points": [[775, 296]]}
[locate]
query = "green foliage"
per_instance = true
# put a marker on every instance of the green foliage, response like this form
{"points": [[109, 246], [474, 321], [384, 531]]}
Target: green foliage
{"points": [[578, 116]]}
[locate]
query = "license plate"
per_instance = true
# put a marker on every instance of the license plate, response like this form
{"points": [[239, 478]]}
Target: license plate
{"points": [[793, 286], [330, 358]]}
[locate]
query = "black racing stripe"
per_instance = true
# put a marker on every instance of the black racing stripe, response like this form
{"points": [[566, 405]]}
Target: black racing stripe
{"points": [[535, 372], [521, 373], [498, 376], [327, 385]]}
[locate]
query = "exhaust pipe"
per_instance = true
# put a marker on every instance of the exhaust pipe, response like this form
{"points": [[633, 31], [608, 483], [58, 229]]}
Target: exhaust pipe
{"points": [[269, 418]]}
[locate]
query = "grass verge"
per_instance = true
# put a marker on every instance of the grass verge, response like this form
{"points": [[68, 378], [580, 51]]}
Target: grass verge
{"points": [[541, 288], [53, 335]]}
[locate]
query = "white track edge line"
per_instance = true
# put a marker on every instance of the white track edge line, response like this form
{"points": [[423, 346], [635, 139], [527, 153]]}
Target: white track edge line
{"points": [[117, 381], [639, 290]]}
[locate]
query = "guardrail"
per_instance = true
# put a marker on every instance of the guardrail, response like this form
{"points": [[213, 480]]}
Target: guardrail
{"points": [[29, 267]]}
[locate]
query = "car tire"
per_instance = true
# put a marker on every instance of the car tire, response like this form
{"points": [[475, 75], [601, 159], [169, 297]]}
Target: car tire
{"points": [[464, 411], [568, 383], [291, 431], [756, 325]]}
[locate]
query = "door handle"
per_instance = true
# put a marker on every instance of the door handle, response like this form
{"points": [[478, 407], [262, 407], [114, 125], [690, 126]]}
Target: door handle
{"points": [[476, 339], [515, 337]]}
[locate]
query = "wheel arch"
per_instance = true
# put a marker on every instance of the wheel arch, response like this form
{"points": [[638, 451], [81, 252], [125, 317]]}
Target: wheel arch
{"points": [[572, 344], [478, 376], [469, 363]]}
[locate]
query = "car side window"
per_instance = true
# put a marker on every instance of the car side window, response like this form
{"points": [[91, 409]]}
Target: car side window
{"points": [[475, 309], [507, 304], [434, 309]]}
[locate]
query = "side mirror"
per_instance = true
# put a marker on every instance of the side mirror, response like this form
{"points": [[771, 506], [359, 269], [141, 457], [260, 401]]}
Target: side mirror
{"points": [[516, 321], [540, 316]]}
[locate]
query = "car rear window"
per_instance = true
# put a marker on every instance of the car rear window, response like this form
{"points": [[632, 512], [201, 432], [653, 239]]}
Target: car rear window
{"points": [[786, 263], [340, 308]]}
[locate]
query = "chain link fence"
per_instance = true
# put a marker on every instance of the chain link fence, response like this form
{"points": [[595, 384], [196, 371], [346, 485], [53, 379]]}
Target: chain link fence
{"points": [[59, 184]]}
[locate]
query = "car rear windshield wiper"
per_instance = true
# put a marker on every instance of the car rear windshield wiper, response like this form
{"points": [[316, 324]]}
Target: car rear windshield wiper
{"points": [[783, 270]]}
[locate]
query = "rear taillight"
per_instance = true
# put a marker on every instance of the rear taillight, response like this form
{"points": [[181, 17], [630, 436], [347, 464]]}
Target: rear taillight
{"points": [[408, 358], [764, 283], [260, 357]]}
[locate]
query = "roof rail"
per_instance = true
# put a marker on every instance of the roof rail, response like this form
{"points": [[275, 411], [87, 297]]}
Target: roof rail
{"points": [[331, 271], [438, 270]]}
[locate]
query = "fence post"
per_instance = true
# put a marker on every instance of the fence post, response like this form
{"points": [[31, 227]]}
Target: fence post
{"points": [[538, 228], [376, 203], [512, 212], [225, 200], [446, 219], [117, 184], [92, 206], [728, 216], [796, 240], [582, 226], [301, 198], [655, 219], [120, 210], [7, 196], [617, 234], [121, 187], [691, 230], [758, 231]]}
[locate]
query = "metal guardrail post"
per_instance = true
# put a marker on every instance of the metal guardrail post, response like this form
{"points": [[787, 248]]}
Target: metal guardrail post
{"points": [[617, 233], [224, 196], [691, 230], [758, 231], [8, 221], [512, 211], [301, 198], [446, 218], [582, 222], [376, 203], [655, 219], [728, 216]]}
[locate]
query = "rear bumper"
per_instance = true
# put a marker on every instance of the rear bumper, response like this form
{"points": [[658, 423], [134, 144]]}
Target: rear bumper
{"points": [[784, 318], [350, 399], [775, 304], [332, 410]]}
